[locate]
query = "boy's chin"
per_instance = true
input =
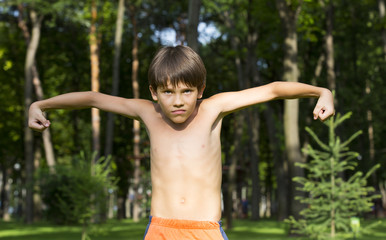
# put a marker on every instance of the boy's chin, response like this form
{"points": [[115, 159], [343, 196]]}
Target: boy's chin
{"points": [[178, 120]]}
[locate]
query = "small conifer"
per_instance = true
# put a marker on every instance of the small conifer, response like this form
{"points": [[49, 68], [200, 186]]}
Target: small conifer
{"points": [[331, 200]]}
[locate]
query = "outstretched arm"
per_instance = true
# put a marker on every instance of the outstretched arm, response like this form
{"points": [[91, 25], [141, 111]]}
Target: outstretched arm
{"points": [[233, 101], [79, 100]]}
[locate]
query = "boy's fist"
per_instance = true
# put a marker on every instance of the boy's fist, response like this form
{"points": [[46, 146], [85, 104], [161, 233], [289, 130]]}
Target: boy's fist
{"points": [[325, 106], [36, 119]]}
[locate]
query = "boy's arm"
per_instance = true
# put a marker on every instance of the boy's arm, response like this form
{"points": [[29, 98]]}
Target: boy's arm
{"points": [[233, 101], [79, 100]]}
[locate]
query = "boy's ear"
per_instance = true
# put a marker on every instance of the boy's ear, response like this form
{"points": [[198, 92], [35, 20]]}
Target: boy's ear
{"points": [[201, 92], [153, 93]]}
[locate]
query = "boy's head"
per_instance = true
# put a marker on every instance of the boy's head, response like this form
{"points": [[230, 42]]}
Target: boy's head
{"points": [[176, 65]]}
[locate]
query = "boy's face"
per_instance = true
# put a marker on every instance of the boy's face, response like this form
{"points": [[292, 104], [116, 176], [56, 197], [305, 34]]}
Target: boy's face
{"points": [[177, 103]]}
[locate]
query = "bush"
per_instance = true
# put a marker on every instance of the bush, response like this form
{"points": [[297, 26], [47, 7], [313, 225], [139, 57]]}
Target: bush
{"points": [[77, 192]]}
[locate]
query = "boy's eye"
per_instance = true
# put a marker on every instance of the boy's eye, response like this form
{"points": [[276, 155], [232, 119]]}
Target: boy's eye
{"points": [[188, 91], [167, 92]]}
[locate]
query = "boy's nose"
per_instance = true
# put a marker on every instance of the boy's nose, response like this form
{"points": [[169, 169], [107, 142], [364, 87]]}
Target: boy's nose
{"points": [[178, 101]]}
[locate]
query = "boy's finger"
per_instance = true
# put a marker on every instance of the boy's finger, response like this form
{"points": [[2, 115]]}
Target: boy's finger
{"points": [[39, 124], [317, 111], [36, 126], [43, 120]]}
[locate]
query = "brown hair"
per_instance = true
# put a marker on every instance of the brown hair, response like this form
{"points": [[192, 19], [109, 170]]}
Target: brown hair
{"points": [[177, 64]]}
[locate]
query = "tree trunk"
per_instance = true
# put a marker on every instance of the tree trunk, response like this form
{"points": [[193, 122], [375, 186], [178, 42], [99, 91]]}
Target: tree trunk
{"points": [[116, 75], [28, 135], [232, 172], [289, 17], [47, 142], [192, 32], [94, 59], [312, 101], [253, 114], [136, 126], [254, 122], [381, 7], [36, 195], [280, 165], [5, 189], [115, 89], [238, 127], [48, 147], [329, 44]]}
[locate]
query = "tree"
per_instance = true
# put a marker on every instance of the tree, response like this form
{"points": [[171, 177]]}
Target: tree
{"points": [[289, 12], [381, 7], [48, 147], [116, 80], [28, 135], [329, 45], [94, 61], [136, 125], [116, 75], [193, 18], [332, 200]]}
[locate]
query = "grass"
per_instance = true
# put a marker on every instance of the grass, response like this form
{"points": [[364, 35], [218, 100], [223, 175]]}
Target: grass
{"points": [[128, 230]]}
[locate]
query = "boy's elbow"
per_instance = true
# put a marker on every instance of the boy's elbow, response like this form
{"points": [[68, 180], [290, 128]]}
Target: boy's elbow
{"points": [[274, 90], [91, 98]]}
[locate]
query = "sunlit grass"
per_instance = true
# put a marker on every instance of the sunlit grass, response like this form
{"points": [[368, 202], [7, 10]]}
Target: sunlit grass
{"points": [[128, 230]]}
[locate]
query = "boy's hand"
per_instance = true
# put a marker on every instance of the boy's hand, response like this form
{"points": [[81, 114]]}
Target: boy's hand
{"points": [[325, 106], [36, 119]]}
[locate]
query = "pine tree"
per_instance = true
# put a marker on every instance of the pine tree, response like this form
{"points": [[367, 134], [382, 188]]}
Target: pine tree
{"points": [[331, 199]]}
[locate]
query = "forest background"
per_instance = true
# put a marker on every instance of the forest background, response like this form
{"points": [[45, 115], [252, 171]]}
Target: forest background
{"points": [[53, 47]]}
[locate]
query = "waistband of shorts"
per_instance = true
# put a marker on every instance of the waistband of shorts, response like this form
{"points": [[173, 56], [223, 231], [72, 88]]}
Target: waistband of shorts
{"points": [[184, 224]]}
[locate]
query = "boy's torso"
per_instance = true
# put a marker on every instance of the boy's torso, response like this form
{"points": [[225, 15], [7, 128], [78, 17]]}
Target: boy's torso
{"points": [[185, 165]]}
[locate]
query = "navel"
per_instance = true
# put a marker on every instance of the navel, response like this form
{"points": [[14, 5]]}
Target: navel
{"points": [[182, 200]]}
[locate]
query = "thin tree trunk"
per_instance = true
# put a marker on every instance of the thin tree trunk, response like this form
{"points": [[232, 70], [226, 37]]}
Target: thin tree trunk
{"points": [[280, 165], [232, 172], [94, 59], [329, 44], [47, 142], [238, 127], [36, 195], [193, 18], [382, 189], [254, 123], [136, 126], [370, 131], [381, 7], [114, 91], [5, 190], [291, 107], [116, 75], [311, 102], [253, 115], [48, 147], [28, 135]]}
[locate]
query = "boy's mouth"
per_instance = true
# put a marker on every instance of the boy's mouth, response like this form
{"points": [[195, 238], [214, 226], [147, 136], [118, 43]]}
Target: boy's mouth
{"points": [[179, 111]]}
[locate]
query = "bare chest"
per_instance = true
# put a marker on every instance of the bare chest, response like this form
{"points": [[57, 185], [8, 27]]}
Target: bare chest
{"points": [[167, 143]]}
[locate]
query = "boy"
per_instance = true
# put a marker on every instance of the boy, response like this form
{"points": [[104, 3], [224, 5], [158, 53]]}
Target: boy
{"points": [[184, 134]]}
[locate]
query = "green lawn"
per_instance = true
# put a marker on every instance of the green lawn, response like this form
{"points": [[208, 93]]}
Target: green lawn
{"points": [[127, 230]]}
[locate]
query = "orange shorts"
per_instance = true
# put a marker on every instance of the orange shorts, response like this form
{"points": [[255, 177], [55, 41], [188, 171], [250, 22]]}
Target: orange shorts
{"points": [[176, 229]]}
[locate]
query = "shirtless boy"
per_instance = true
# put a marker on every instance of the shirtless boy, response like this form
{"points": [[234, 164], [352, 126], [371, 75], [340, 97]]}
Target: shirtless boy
{"points": [[184, 134]]}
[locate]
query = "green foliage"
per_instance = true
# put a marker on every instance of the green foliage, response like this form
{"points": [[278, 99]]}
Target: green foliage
{"points": [[77, 192], [332, 199]]}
